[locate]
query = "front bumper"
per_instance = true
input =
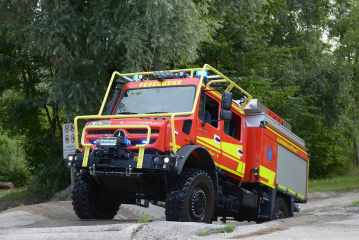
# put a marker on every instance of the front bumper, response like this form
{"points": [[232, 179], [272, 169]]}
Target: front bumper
{"points": [[115, 164]]}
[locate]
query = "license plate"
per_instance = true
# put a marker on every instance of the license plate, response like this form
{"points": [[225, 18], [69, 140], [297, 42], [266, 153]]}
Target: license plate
{"points": [[107, 123], [108, 142]]}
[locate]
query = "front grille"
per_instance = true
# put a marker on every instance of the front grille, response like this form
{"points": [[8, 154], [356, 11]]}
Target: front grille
{"points": [[133, 143], [141, 131], [131, 131], [101, 132]]}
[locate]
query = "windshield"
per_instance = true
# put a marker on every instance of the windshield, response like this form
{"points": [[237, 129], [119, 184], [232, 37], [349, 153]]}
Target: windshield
{"points": [[157, 100]]}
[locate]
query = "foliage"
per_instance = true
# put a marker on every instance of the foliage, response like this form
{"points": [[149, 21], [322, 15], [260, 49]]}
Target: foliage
{"points": [[203, 232], [354, 204], [16, 194], [226, 229], [287, 65], [56, 58], [87, 40], [299, 58], [24, 113], [13, 166], [144, 219], [344, 34], [345, 179]]}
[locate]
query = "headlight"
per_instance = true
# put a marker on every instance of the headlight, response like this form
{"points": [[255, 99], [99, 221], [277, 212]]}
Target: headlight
{"points": [[70, 157], [156, 159], [166, 159]]}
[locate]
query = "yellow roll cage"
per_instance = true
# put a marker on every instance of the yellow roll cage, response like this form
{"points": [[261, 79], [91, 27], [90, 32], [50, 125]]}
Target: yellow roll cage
{"points": [[172, 115]]}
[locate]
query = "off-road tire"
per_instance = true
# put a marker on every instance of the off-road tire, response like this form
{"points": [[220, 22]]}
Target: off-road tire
{"points": [[190, 197], [280, 209], [90, 201]]}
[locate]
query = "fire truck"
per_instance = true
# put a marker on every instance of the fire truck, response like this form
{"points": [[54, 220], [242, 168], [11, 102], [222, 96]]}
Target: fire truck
{"points": [[193, 141]]}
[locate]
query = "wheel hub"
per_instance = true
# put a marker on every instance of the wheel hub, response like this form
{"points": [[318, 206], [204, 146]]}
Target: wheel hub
{"points": [[198, 204], [279, 214]]}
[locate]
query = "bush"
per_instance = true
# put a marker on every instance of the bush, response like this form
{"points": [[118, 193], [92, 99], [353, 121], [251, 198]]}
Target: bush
{"points": [[13, 165], [47, 165]]}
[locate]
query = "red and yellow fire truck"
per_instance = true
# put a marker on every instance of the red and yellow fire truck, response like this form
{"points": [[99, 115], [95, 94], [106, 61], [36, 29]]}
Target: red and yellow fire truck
{"points": [[179, 137]]}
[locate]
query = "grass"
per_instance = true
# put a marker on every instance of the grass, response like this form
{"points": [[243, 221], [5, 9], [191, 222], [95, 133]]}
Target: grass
{"points": [[177, 229], [354, 204], [15, 194], [226, 229], [203, 232], [258, 233], [144, 219], [68, 198], [344, 182]]}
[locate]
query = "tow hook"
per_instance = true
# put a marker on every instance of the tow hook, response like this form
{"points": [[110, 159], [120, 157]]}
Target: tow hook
{"points": [[92, 170], [296, 208]]}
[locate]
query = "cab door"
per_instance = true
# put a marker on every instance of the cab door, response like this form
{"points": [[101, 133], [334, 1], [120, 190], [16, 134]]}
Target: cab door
{"points": [[209, 134], [232, 146]]}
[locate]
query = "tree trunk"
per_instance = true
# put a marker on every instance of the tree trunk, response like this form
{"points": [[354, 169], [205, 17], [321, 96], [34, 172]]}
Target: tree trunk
{"points": [[356, 144], [8, 185]]}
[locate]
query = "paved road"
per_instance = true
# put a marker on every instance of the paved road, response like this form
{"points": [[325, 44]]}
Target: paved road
{"points": [[322, 218]]}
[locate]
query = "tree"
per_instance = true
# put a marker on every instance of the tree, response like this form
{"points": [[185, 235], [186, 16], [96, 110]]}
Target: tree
{"points": [[344, 33], [26, 114], [276, 54], [57, 57]]}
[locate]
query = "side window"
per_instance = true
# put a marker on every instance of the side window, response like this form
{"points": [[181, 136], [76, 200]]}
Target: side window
{"points": [[208, 110], [233, 128]]}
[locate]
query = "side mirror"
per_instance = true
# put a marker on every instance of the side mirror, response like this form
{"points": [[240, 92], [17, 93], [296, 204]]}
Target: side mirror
{"points": [[226, 100], [226, 115]]}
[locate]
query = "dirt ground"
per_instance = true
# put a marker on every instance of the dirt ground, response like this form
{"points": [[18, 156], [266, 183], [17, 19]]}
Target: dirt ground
{"points": [[323, 217], [5, 205], [60, 196]]}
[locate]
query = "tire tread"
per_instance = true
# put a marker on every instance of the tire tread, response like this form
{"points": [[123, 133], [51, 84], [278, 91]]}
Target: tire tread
{"points": [[81, 199], [176, 194]]}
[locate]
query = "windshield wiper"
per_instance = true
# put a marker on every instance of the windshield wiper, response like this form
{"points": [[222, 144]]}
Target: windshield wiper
{"points": [[155, 112], [127, 113]]}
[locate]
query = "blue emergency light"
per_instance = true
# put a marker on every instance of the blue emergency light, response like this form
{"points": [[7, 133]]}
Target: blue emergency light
{"points": [[140, 78], [127, 142], [199, 74]]}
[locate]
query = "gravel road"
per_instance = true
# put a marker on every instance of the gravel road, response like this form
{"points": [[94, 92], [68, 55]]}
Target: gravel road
{"points": [[324, 217]]}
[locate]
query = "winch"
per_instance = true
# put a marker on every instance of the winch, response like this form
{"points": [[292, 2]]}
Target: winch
{"points": [[114, 146]]}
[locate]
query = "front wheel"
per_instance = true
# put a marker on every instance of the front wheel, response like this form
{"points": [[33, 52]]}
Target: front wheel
{"points": [[190, 197], [90, 201], [280, 209]]}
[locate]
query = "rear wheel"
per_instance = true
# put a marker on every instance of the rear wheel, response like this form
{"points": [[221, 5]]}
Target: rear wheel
{"points": [[280, 209], [90, 201], [190, 197]]}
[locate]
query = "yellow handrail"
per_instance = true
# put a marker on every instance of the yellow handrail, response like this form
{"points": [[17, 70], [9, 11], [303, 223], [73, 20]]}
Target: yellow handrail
{"points": [[230, 87], [140, 146], [172, 115]]}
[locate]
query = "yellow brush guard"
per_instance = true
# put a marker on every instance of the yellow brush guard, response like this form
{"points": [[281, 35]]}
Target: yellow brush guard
{"points": [[172, 115], [140, 146]]}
